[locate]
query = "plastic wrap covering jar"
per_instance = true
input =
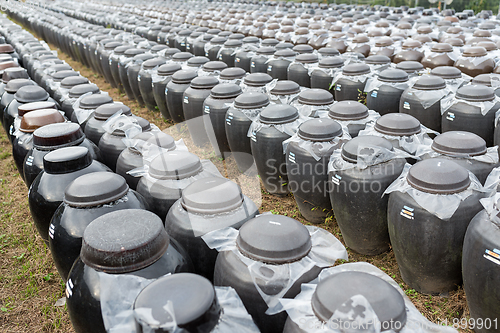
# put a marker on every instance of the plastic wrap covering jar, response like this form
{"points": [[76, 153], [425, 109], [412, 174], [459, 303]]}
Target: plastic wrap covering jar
{"points": [[428, 250], [257, 82], [133, 69], [441, 54], [356, 187], [25, 109], [475, 61], [277, 66], [384, 91], [61, 167], [489, 80], [132, 157], [23, 140], [244, 56], [360, 44], [125, 61], [384, 46], [216, 106], [467, 150], [93, 129], [114, 64], [73, 95], [212, 68], [411, 51], [473, 110], [199, 45], [284, 92], [298, 71], [174, 93], [206, 205], [112, 246], [322, 76], [42, 77], [313, 102], [227, 54], [8, 96], [232, 75], [258, 63], [159, 82], [168, 174], [145, 81], [213, 47], [85, 199], [104, 60], [413, 68], [307, 155], [353, 115], [239, 117], [480, 266], [350, 84], [62, 93], [275, 124], [88, 104]]}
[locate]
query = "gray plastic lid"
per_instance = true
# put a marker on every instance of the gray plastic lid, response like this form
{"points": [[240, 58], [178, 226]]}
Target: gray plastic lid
{"points": [[328, 51], [475, 93], [284, 45], [482, 79], [112, 45], [14, 73], [182, 56], [440, 176], [459, 143], [140, 58], [429, 82], [218, 40], [447, 72], [442, 48], [171, 52], [398, 124], [386, 301], [124, 241], [250, 40], [315, 97], [133, 52], [285, 87], [225, 90], [197, 61], [204, 82], [331, 62], [320, 130], [356, 69], [156, 138], [348, 110], [184, 76], [307, 58], [232, 73], [274, 239], [213, 66], [286, 53], [121, 49], [350, 148], [410, 66], [475, 51], [212, 195], [269, 42], [152, 63], [378, 59], [169, 69], [279, 114], [29, 93], [303, 48], [95, 100], [175, 165], [95, 189], [257, 79], [233, 43], [393, 75], [81, 89], [251, 100], [105, 111], [72, 81], [266, 50], [13, 85], [157, 48], [66, 160]]}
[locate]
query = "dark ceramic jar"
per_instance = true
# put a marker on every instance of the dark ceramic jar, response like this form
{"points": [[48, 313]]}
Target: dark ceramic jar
{"points": [[133, 69], [213, 47], [111, 245], [73, 95], [114, 64], [85, 199], [145, 81], [385, 98], [475, 61], [174, 93], [93, 129], [8, 96], [60, 168], [105, 63], [207, 204], [212, 68], [258, 63], [486, 80], [299, 72], [351, 86], [277, 66], [88, 105], [11, 74], [227, 53], [243, 57], [322, 77], [54, 81], [62, 93], [125, 61], [232, 75], [199, 45], [164, 74], [47, 74], [441, 55]]}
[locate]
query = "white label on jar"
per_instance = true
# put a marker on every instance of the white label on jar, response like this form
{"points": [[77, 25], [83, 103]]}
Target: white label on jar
{"points": [[186, 100], [408, 212], [51, 231], [207, 109], [406, 105], [237, 60], [29, 160], [138, 78], [374, 94], [336, 179], [69, 288], [166, 90], [269, 68], [253, 137], [450, 116], [252, 64], [291, 157], [206, 54], [338, 87], [493, 256], [228, 119]]}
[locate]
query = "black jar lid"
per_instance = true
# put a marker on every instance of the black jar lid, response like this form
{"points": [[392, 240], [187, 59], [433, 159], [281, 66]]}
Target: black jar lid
{"points": [[152, 63], [204, 82], [197, 61], [286, 53], [429, 82], [442, 48], [348, 110], [184, 76], [251, 100], [266, 50], [95, 189], [182, 56], [103, 112], [410, 66], [28, 107], [475, 51], [475, 93], [398, 124], [29, 93], [213, 66], [278, 114], [175, 165], [269, 42], [303, 48], [315, 97], [169, 69], [307, 58], [171, 52], [213, 195], [439, 176], [257, 79], [72, 81], [13, 85], [447, 72], [14, 73], [121, 49], [112, 45], [130, 53], [350, 148], [82, 89], [58, 135], [232, 73], [331, 62], [459, 143], [274, 239], [66, 160], [328, 51], [393, 75], [95, 100], [225, 90], [378, 59], [320, 130], [157, 138], [286, 87], [386, 301], [356, 69], [124, 241]]}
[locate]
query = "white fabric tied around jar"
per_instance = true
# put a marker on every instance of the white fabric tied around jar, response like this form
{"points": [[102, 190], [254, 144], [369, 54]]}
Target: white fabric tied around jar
{"points": [[491, 207], [119, 291], [129, 125], [325, 251], [453, 55], [443, 206], [251, 114], [371, 118], [313, 111], [350, 57], [428, 98], [310, 67], [149, 150], [354, 78], [328, 71], [287, 128], [485, 106], [453, 84], [318, 148], [490, 157], [208, 46], [284, 99], [302, 314]]}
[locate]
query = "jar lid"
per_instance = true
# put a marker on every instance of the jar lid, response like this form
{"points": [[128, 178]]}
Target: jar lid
{"points": [[285, 87], [454, 42], [439, 176], [197, 61], [184, 76], [483, 79], [112, 45], [121, 49], [303, 48], [315, 97], [306, 58], [274, 239], [410, 66], [175, 165], [143, 57], [286, 53], [213, 195], [393, 75], [430, 82], [182, 56], [30, 93], [13, 85], [225, 90], [28, 107], [481, 33], [386, 301], [6, 48], [442, 48], [257, 79], [157, 48], [251, 100], [269, 42], [356, 69], [14, 73], [384, 42], [66, 160], [279, 114], [72, 81], [331, 62], [284, 45], [58, 135], [411, 44], [489, 46], [103, 112], [475, 51], [152, 63], [351, 147], [250, 40], [328, 52], [398, 124], [213, 66], [38, 118], [130, 53], [475, 93], [218, 40], [204, 82], [360, 39], [82, 89], [117, 243], [320, 130], [185, 32], [348, 110], [95, 100], [169, 69], [378, 59], [94, 189], [156, 138], [266, 50], [236, 36], [233, 43], [459, 143], [232, 73]]}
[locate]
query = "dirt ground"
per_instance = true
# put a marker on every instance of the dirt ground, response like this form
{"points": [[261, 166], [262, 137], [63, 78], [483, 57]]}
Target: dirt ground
{"points": [[30, 285]]}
